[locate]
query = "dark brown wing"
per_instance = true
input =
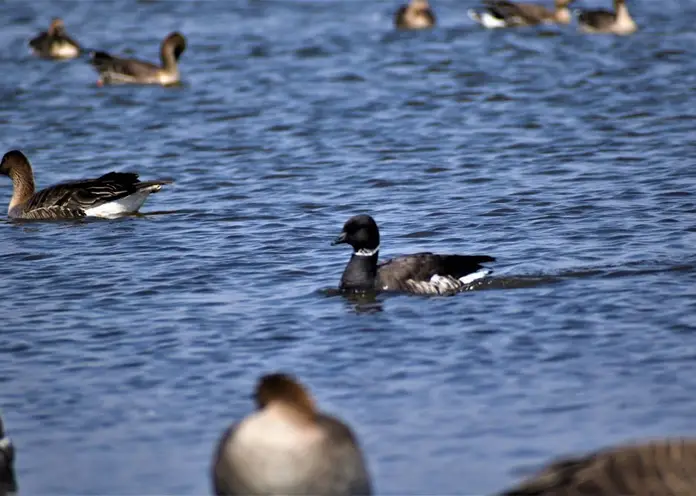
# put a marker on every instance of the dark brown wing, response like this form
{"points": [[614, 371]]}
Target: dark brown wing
{"points": [[82, 195], [346, 471], [518, 13], [115, 68], [597, 19], [399, 17], [394, 273], [8, 481], [660, 467]]}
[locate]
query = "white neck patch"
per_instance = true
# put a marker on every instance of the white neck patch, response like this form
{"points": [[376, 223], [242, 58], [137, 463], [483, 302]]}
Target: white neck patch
{"points": [[364, 252]]}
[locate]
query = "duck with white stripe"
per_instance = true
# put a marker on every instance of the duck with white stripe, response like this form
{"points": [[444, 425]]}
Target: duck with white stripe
{"points": [[115, 70], [605, 22], [8, 481], [505, 14], [111, 195], [420, 273], [55, 43]]}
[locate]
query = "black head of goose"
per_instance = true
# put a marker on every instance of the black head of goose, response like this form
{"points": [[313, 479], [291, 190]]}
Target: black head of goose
{"points": [[8, 481], [618, 22], [288, 447], [505, 14], [416, 15], [420, 273], [111, 195], [55, 43], [114, 70], [645, 469]]}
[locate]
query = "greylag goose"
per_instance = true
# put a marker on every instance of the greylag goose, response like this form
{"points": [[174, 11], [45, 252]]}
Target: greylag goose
{"points": [[602, 21], [113, 70], [8, 481], [505, 14], [55, 43], [416, 15], [421, 273], [111, 195], [646, 469], [288, 447]]}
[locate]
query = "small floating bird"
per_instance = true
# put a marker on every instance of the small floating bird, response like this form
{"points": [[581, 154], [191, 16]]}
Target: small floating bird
{"points": [[421, 273], [55, 43], [602, 21], [504, 14], [114, 70], [111, 195], [657, 467], [288, 447], [416, 15], [8, 481]]}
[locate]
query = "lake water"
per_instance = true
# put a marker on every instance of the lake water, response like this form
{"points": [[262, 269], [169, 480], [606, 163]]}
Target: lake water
{"points": [[126, 347]]}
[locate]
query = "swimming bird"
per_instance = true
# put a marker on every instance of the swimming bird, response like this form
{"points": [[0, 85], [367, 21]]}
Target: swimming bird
{"points": [[603, 21], [114, 70], [420, 273], [55, 43], [288, 447], [416, 15], [643, 469], [111, 195], [8, 481], [505, 14]]}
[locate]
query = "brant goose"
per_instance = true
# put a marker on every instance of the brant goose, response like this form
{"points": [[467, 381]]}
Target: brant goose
{"points": [[420, 273], [55, 43], [8, 482], [602, 21], [416, 15], [288, 447], [657, 467], [114, 70], [504, 14], [111, 195]]}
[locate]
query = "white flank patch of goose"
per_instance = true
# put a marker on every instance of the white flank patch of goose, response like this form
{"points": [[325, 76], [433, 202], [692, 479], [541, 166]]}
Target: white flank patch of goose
{"points": [[111, 195], [664, 467], [115, 70], [288, 447], [55, 43], [506, 14], [420, 273]]}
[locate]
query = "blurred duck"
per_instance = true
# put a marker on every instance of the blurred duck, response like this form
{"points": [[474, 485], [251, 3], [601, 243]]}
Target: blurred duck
{"points": [[602, 21], [114, 70], [55, 43], [288, 447], [111, 195], [8, 482], [504, 14], [658, 467], [416, 15], [420, 273]]}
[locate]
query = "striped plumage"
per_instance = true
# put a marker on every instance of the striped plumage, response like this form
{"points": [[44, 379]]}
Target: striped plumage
{"points": [[55, 43], [664, 468], [420, 273], [113, 194], [115, 70], [8, 481]]}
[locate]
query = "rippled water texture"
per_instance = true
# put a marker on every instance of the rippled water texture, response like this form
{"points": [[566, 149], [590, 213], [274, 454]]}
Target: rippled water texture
{"points": [[127, 346]]}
